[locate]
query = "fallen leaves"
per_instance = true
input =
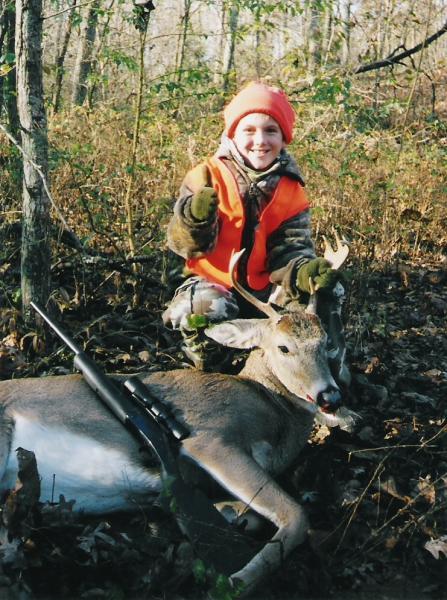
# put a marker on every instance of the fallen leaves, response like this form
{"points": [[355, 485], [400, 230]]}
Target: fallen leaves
{"points": [[382, 489], [95, 540]]}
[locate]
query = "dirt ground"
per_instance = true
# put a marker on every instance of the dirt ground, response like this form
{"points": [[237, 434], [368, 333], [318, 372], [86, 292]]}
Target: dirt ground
{"points": [[376, 497]]}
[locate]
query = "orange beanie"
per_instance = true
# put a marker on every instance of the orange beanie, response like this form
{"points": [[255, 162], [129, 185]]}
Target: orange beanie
{"points": [[260, 98]]}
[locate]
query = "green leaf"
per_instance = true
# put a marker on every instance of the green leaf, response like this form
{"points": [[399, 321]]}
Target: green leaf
{"points": [[224, 589], [197, 321], [199, 571], [9, 58], [17, 296]]}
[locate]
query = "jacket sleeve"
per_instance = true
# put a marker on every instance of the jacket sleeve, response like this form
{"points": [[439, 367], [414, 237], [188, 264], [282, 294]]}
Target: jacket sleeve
{"points": [[187, 236], [288, 248]]}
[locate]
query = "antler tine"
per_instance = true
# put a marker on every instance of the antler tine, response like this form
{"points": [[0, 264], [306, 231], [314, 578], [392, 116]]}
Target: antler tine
{"points": [[336, 257], [311, 307], [265, 308]]}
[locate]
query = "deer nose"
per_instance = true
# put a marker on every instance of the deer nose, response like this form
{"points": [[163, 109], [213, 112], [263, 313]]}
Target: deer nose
{"points": [[329, 400]]}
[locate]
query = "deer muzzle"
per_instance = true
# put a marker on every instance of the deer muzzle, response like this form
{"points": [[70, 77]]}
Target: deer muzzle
{"points": [[329, 400]]}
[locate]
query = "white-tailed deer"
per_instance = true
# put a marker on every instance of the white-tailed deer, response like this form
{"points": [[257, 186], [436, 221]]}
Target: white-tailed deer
{"points": [[245, 429]]}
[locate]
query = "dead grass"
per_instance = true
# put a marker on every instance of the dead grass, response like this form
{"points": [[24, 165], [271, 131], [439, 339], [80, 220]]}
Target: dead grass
{"points": [[384, 188]]}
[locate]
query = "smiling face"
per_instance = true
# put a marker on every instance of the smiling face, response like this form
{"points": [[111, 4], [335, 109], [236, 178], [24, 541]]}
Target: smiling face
{"points": [[259, 139]]}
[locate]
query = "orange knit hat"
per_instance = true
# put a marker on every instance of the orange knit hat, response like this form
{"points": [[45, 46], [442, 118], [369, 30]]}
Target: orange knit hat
{"points": [[260, 98]]}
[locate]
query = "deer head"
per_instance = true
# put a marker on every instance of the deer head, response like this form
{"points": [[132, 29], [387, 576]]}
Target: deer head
{"points": [[291, 353]]}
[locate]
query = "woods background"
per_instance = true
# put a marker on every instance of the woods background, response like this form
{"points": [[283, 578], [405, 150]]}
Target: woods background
{"points": [[130, 110]]}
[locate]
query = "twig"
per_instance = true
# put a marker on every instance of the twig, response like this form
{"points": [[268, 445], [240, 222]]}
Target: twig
{"points": [[393, 58], [67, 9], [104, 281], [404, 508], [123, 266], [396, 447], [418, 70], [379, 469], [440, 432], [135, 141]]}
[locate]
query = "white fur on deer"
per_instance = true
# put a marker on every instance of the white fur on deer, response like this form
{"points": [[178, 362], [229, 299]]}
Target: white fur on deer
{"points": [[63, 423]]}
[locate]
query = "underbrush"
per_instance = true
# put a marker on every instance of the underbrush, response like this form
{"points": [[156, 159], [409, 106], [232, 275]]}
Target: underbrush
{"points": [[383, 188]]}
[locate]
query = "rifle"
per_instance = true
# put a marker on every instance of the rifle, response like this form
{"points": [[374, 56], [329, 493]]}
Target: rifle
{"points": [[214, 540]]}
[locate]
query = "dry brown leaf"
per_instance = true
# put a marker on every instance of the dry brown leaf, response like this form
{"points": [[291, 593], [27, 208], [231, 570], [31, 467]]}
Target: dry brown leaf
{"points": [[427, 489], [321, 433], [12, 340], [391, 542], [389, 487], [4, 268], [145, 356]]}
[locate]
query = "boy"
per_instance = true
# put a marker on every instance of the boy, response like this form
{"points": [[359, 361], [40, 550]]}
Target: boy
{"points": [[250, 195]]}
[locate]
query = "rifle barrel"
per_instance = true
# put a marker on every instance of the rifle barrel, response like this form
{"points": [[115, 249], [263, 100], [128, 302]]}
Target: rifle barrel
{"points": [[55, 327]]}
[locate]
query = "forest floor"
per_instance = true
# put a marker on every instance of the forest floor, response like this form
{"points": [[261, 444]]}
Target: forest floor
{"points": [[376, 497]]}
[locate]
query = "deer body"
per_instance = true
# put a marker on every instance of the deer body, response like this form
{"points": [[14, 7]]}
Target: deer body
{"points": [[244, 429]]}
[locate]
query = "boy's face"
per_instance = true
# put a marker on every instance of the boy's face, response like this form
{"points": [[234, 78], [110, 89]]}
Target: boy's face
{"points": [[259, 139]]}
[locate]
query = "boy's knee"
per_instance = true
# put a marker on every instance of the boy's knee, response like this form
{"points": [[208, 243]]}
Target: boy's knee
{"points": [[200, 298]]}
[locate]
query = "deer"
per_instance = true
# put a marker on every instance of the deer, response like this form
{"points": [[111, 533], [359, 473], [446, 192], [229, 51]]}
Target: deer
{"points": [[245, 429]]}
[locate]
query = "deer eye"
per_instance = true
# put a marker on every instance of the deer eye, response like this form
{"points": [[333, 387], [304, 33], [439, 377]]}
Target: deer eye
{"points": [[283, 349]]}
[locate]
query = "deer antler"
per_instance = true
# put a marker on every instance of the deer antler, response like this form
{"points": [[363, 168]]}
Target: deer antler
{"points": [[336, 257], [265, 308], [311, 307]]}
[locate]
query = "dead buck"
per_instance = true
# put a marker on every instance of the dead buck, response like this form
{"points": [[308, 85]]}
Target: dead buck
{"points": [[245, 429]]}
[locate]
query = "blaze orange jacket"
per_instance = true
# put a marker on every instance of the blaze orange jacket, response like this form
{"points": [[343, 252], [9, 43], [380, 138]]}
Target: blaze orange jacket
{"points": [[289, 199]]}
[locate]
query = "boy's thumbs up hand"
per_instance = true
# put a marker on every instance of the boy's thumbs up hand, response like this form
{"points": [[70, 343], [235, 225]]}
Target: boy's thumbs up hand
{"points": [[321, 273], [204, 204]]}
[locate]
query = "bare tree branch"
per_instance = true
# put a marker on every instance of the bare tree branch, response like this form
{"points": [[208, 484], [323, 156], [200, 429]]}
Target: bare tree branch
{"points": [[72, 7], [393, 59]]}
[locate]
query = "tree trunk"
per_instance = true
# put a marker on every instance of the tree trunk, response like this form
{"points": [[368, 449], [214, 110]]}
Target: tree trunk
{"points": [[258, 41], [327, 35], [8, 87], [96, 60], [60, 59], [346, 52], [379, 30], [11, 78], [3, 34], [229, 63], [314, 43], [183, 39], [83, 62], [35, 268], [219, 60]]}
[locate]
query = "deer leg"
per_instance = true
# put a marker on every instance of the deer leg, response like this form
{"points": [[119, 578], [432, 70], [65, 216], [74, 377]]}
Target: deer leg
{"points": [[274, 504], [241, 475], [238, 514]]}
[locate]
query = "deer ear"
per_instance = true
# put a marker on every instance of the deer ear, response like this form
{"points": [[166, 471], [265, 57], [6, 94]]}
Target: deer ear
{"points": [[239, 333]]}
